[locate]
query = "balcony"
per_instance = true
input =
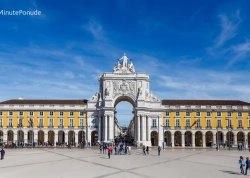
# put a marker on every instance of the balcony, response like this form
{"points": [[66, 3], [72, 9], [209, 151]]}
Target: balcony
{"points": [[177, 127], [209, 127], [71, 126], [198, 127], [61, 126], [154, 127], [40, 126], [10, 126], [188, 127], [81, 127], [240, 128], [50, 126], [166, 127]]}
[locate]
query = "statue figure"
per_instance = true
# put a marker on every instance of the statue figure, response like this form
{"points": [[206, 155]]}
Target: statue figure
{"points": [[125, 61]]}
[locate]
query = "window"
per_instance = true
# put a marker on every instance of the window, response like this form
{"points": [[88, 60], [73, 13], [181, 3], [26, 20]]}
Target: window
{"points": [[208, 123], [20, 122], [41, 113], [167, 113], [187, 113], [167, 122], [154, 123], [21, 113], [208, 114], [187, 122], [40, 122], [81, 122], [1, 123], [94, 122], [50, 122], [239, 114], [61, 122], [10, 122], [177, 122], [177, 114], [71, 122], [31, 113], [198, 123], [51, 113], [81, 113], [240, 123], [219, 123], [10, 113], [198, 114], [61, 113], [219, 114], [229, 113], [249, 123], [71, 113], [1, 113]]}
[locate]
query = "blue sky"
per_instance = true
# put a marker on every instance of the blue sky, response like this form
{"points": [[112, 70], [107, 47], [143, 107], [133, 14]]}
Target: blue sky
{"points": [[191, 49]]}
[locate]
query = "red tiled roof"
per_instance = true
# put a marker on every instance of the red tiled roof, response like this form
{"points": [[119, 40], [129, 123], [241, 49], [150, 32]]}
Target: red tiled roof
{"points": [[38, 101], [204, 102]]}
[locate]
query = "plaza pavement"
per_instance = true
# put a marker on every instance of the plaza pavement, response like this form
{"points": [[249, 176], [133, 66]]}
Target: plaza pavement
{"points": [[71, 163]]}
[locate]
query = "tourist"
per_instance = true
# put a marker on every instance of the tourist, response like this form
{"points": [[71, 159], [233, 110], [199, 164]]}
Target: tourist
{"points": [[144, 150], [2, 153], [247, 165], [159, 150], [241, 162], [147, 150], [109, 151]]}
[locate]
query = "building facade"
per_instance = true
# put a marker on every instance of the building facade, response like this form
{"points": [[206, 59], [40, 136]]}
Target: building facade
{"points": [[175, 123]]}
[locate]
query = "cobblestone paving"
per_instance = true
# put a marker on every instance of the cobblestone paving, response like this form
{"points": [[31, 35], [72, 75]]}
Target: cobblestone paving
{"points": [[70, 163]]}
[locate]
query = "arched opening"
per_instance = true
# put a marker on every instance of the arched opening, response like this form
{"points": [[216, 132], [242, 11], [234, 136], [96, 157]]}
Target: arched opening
{"points": [[61, 138], [177, 138], [71, 138], [94, 138], [209, 139], [124, 121], [154, 138], [219, 138], [30, 137], [10, 137], [198, 139], [230, 138], [20, 137], [240, 138], [51, 138], [188, 138], [1, 138], [167, 138], [81, 137], [40, 137]]}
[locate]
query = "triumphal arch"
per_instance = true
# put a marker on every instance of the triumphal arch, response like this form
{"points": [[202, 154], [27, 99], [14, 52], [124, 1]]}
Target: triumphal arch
{"points": [[125, 84]]}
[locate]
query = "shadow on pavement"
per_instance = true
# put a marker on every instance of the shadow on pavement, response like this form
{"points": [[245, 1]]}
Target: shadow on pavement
{"points": [[231, 172]]}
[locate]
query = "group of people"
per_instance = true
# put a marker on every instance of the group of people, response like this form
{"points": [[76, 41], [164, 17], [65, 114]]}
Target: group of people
{"points": [[145, 150], [244, 165]]}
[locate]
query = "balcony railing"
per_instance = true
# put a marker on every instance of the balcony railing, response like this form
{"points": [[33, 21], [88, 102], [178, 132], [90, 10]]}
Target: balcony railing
{"points": [[50, 126], [177, 127], [61, 126], [71, 126], [198, 127], [208, 127], [40, 126], [166, 127], [153, 127], [81, 127], [10, 126], [188, 127]]}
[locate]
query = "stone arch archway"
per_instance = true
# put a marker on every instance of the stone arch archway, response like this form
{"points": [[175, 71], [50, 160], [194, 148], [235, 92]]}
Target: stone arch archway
{"points": [[198, 139], [209, 139], [51, 138], [230, 138], [219, 138], [188, 138], [61, 137], [177, 138], [154, 138], [10, 136], [71, 137], [167, 138], [20, 137], [241, 138], [125, 84], [40, 137], [81, 138], [94, 138], [30, 137]]}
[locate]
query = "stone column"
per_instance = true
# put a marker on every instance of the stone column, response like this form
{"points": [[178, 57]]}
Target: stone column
{"points": [[148, 129], [160, 130], [111, 128], [204, 140], [144, 128], [235, 138], [66, 137], [14, 136], [182, 139], [214, 138], [45, 136], [138, 129], [56, 137], [35, 136], [225, 137], [105, 128], [76, 138], [193, 140], [172, 139], [99, 129]]}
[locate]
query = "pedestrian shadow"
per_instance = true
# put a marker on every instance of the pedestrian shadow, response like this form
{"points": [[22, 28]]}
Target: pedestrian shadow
{"points": [[103, 157], [231, 172]]}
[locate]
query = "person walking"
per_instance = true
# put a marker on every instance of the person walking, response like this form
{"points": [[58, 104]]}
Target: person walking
{"points": [[109, 151], [159, 150], [147, 150], [2, 153], [144, 150], [241, 162], [247, 165]]}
